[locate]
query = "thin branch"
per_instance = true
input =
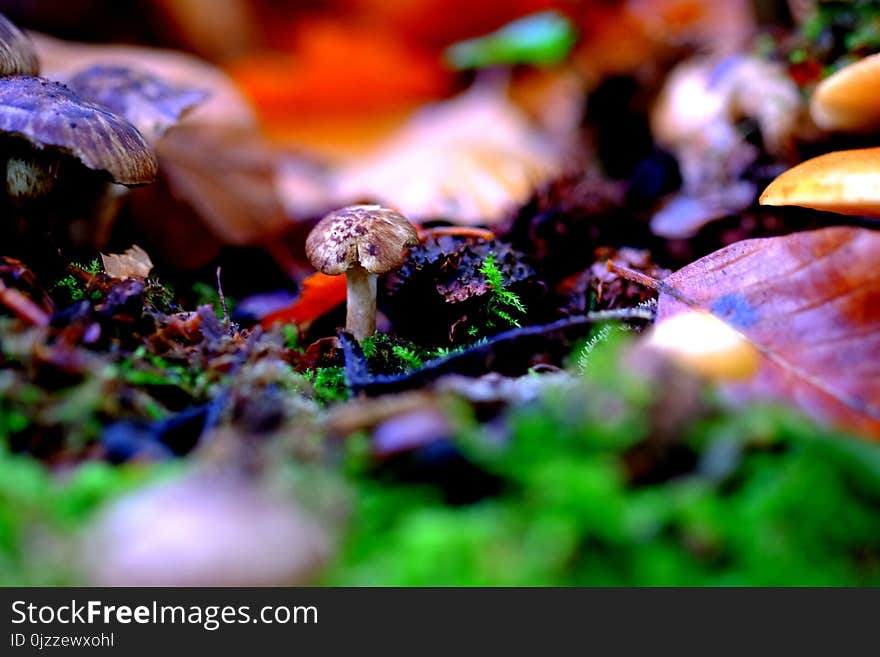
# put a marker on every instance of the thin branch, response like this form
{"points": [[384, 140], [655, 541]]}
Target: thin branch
{"points": [[648, 281], [222, 298]]}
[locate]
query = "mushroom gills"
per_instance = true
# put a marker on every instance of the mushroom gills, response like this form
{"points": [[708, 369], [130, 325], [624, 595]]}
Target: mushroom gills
{"points": [[30, 177]]}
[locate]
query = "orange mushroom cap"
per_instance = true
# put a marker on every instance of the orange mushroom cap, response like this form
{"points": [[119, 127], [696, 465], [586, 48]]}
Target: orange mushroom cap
{"points": [[845, 182], [847, 101]]}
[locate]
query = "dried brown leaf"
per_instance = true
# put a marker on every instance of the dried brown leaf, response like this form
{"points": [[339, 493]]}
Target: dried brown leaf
{"points": [[134, 263], [810, 302], [228, 177]]}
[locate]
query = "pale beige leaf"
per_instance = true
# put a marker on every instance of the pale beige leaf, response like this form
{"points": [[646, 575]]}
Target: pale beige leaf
{"points": [[470, 160], [134, 263]]}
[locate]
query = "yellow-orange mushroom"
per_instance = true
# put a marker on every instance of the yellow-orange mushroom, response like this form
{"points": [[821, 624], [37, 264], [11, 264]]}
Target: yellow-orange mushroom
{"points": [[849, 100], [846, 182], [702, 343]]}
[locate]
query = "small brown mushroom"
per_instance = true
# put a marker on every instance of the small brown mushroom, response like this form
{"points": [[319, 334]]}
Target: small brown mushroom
{"points": [[17, 53], [845, 182], [847, 100], [360, 241]]}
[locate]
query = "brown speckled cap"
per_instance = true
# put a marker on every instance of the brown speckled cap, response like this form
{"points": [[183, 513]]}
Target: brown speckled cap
{"points": [[17, 54], [49, 115], [371, 235], [147, 101]]}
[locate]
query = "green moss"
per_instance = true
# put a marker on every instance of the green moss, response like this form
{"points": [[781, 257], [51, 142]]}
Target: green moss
{"points": [[853, 26], [329, 384], [769, 499], [291, 336], [389, 354]]}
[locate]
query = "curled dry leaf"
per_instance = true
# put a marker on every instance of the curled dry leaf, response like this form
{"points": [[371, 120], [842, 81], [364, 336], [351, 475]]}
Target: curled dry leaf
{"points": [[134, 263], [470, 160], [228, 176], [217, 186], [810, 302]]}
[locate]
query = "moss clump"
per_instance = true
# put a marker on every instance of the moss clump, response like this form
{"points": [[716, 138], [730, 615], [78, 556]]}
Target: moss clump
{"points": [[592, 496]]}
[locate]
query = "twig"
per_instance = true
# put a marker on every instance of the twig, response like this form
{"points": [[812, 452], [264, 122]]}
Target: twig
{"points": [[639, 312], [648, 281], [457, 231], [222, 298]]}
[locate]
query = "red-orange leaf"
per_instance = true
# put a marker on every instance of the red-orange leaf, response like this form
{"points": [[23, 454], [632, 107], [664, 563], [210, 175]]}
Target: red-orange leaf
{"points": [[320, 294], [811, 303]]}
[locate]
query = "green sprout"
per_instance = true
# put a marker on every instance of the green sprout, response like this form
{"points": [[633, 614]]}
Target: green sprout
{"points": [[541, 39], [502, 301]]}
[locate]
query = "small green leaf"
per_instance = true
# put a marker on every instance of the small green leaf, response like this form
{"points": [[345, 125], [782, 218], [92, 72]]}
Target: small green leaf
{"points": [[541, 39]]}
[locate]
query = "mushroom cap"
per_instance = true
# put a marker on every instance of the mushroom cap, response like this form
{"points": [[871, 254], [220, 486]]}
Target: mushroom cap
{"points": [[49, 115], [374, 236], [226, 107], [204, 530], [146, 100], [847, 100], [17, 53], [846, 182], [704, 344]]}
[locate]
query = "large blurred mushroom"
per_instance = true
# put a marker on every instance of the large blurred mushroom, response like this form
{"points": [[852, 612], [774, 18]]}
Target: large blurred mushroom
{"points": [[61, 60], [150, 103], [50, 135], [204, 531], [696, 117], [217, 183], [17, 54], [50, 121], [51, 138]]}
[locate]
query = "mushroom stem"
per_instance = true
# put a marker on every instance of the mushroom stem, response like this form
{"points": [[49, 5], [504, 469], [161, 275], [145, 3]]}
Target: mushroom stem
{"points": [[360, 319]]}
